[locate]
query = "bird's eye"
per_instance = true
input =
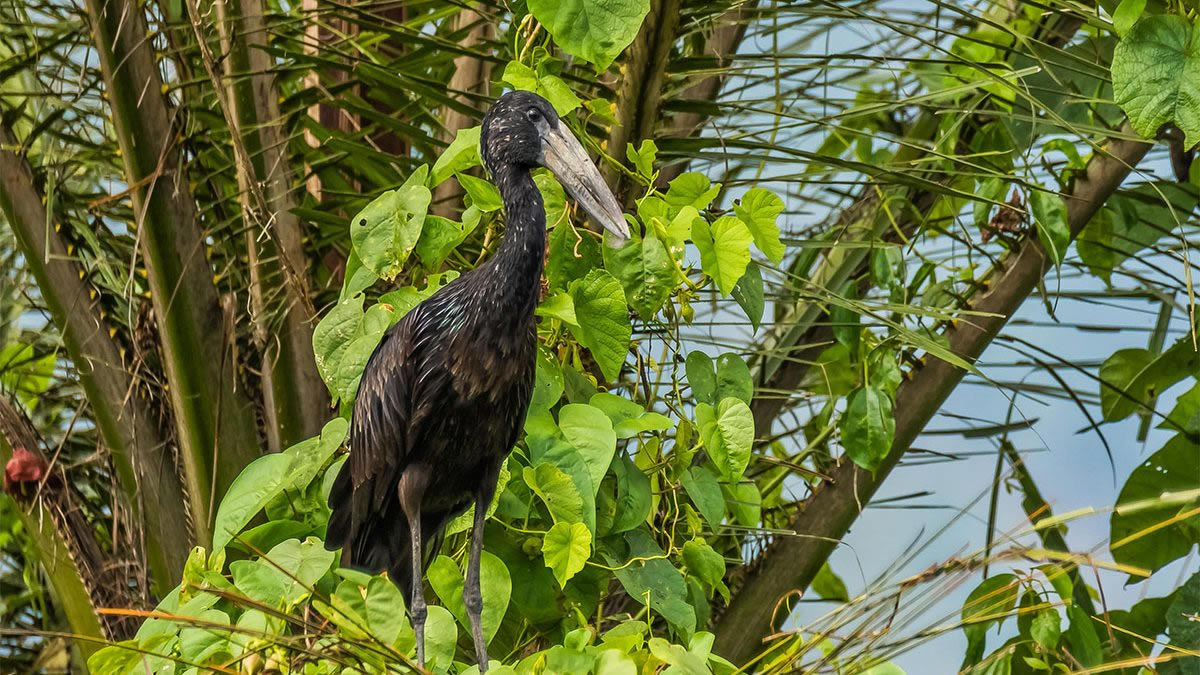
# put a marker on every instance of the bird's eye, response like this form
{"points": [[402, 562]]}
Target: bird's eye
{"points": [[533, 114]]}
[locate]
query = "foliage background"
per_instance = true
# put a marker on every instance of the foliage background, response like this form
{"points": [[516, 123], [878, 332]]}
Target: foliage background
{"points": [[817, 101]]}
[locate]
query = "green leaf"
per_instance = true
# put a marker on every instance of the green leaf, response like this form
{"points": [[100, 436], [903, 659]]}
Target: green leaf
{"points": [[1127, 14], [495, 586], [704, 562], [759, 209], [484, 196], [987, 605], [733, 378], [645, 270], [728, 434], [462, 154], [1050, 216], [1046, 629], [677, 657], [724, 250], [702, 376], [572, 255], [646, 574], [749, 294], [546, 85], [633, 496], [702, 487], [285, 575], [566, 549], [1131, 378], [628, 418], [331, 339], [199, 644], [1185, 416], [868, 427], [604, 326], [548, 385], [357, 277], [1156, 75], [256, 485], [626, 636], [403, 300], [614, 662], [593, 30], [559, 306], [263, 537], [1182, 625], [1081, 633], [1131, 221], [441, 635], [591, 432], [307, 457], [441, 235], [643, 157], [745, 503], [829, 585], [1171, 469], [381, 610], [557, 490], [692, 189], [386, 231]]}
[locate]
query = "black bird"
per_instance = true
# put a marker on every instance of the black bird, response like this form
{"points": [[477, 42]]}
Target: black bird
{"points": [[443, 397]]}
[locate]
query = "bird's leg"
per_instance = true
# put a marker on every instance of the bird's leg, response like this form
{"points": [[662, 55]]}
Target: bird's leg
{"points": [[411, 490], [472, 597]]}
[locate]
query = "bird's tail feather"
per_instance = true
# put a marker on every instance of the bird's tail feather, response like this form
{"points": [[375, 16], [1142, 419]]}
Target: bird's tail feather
{"points": [[380, 541]]}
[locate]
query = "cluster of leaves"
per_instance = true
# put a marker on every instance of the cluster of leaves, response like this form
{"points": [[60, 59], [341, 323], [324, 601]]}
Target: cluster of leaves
{"points": [[602, 487]]}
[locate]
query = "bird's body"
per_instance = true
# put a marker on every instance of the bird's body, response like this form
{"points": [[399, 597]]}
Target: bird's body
{"points": [[445, 391], [443, 398]]}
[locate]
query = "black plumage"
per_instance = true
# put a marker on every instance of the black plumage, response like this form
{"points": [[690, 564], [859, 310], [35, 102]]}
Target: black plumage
{"points": [[444, 396]]}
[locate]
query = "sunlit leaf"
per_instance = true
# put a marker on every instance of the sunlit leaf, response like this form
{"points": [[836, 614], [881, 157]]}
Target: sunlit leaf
{"points": [[724, 250], [566, 548], [594, 30]]}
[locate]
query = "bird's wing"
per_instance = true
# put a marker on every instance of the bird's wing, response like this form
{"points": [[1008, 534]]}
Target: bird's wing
{"points": [[397, 393]]}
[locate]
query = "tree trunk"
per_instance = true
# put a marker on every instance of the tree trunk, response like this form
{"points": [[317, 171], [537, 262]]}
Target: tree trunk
{"points": [[145, 465], [214, 416]]}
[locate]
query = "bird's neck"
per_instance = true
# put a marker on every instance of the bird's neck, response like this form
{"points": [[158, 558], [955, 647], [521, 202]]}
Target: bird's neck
{"points": [[518, 263]]}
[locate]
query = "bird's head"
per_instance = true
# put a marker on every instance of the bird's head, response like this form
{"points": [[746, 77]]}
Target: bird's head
{"points": [[523, 130]]}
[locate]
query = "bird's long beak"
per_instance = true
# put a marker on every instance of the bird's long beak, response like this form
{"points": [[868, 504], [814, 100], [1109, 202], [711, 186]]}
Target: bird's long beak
{"points": [[568, 161]]}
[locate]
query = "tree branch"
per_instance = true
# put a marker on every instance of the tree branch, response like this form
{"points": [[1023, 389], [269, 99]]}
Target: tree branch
{"points": [[792, 561], [145, 464]]}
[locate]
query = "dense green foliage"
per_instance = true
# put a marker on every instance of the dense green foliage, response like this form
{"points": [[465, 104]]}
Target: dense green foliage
{"points": [[735, 380]]}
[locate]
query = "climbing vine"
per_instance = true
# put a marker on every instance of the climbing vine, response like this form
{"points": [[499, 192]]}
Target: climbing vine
{"points": [[622, 511]]}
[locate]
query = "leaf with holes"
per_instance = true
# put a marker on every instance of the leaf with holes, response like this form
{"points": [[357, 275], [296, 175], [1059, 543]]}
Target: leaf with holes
{"points": [[386, 231], [1146, 536]]}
